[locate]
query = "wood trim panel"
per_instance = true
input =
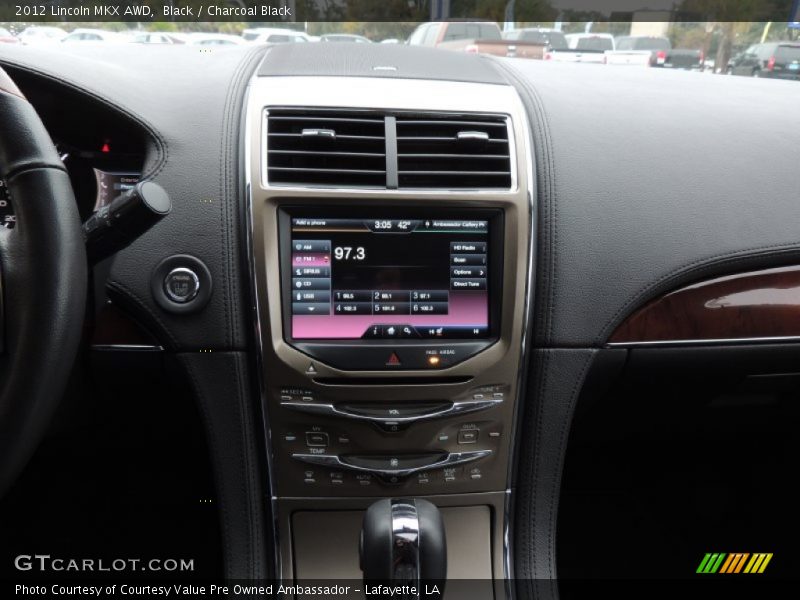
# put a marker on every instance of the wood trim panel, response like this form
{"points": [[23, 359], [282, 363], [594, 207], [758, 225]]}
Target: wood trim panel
{"points": [[757, 304]]}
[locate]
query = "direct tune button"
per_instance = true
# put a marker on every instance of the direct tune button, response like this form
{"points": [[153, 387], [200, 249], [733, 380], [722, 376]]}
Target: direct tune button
{"points": [[181, 285]]}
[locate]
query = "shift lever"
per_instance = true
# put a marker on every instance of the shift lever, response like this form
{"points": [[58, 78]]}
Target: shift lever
{"points": [[403, 544]]}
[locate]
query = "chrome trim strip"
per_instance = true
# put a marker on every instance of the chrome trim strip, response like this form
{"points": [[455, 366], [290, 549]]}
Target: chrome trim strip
{"points": [[405, 545], [706, 342], [528, 151], [331, 410], [127, 348], [336, 461]]}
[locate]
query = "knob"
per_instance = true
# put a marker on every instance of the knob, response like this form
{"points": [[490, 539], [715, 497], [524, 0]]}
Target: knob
{"points": [[403, 543]]}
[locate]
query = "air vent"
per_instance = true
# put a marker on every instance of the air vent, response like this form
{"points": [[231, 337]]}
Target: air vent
{"points": [[326, 148], [453, 152]]}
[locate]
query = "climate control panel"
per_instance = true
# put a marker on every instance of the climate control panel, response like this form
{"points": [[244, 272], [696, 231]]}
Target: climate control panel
{"points": [[338, 446]]}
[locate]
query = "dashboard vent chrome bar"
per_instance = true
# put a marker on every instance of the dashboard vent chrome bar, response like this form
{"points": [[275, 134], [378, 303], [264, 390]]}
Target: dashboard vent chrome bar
{"points": [[325, 148], [453, 153]]}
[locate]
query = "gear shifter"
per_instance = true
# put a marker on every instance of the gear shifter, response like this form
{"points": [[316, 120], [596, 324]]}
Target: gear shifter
{"points": [[403, 544]]}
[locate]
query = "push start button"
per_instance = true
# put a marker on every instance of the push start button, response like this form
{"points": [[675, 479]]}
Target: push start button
{"points": [[181, 285]]}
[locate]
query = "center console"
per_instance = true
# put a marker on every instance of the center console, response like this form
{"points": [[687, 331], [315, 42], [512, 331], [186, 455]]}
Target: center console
{"points": [[391, 318]]}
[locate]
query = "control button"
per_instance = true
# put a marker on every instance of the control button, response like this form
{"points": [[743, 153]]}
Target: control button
{"points": [[407, 331], [311, 370], [364, 478], [498, 395], [393, 360], [373, 332], [337, 478], [181, 285], [450, 474], [286, 398], [444, 438], [309, 480], [494, 434], [316, 438], [468, 436], [343, 439], [475, 476], [307, 398], [478, 396], [290, 437]]}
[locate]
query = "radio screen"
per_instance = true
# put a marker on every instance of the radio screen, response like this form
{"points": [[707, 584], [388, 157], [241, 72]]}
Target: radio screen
{"points": [[389, 278]]}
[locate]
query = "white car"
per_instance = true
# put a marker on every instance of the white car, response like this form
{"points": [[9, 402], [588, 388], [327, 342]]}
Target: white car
{"points": [[216, 39], [93, 35], [156, 37], [42, 35], [269, 35]]}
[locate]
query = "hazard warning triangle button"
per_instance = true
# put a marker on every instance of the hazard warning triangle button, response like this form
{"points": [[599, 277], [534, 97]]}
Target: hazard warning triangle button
{"points": [[394, 360]]}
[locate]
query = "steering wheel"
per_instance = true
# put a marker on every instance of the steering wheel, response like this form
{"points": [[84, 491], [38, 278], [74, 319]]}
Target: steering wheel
{"points": [[43, 281]]}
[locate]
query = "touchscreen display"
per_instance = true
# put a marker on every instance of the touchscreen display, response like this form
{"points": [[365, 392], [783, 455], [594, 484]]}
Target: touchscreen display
{"points": [[389, 278]]}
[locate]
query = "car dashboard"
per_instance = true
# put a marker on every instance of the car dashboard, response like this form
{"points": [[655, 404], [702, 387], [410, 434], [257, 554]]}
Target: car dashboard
{"points": [[405, 263]]}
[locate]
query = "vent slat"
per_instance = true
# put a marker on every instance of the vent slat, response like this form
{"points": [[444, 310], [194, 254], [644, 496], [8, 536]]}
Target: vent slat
{"points": [[449, 152], [354, 155], [459, 156], [314, 170], [327, 119], [408, 122], [338, 137], [449, 140], [325, 153]]}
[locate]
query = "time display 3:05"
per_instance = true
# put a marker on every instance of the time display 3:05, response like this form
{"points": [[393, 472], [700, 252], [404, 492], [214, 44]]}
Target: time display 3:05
{"points": [[349, 253]]}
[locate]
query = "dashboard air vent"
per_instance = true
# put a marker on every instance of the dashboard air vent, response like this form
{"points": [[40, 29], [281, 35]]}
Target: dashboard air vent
{"points": [[326, 148], [453, 152]]}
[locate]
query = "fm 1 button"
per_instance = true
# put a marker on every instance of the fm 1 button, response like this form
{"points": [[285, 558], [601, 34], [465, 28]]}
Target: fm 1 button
{"points": [[181, 285]]}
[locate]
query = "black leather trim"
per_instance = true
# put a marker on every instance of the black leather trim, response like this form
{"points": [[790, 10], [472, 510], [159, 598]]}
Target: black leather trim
{"points": [[647, 181], [220, 381], [546, 205], [547, 418]]}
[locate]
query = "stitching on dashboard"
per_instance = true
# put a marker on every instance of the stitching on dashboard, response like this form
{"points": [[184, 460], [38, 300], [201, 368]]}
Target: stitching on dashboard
{"points": [[532, 554], [555, 489], [694, 268], [545, 170], [124, 290], [212, 436]]}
